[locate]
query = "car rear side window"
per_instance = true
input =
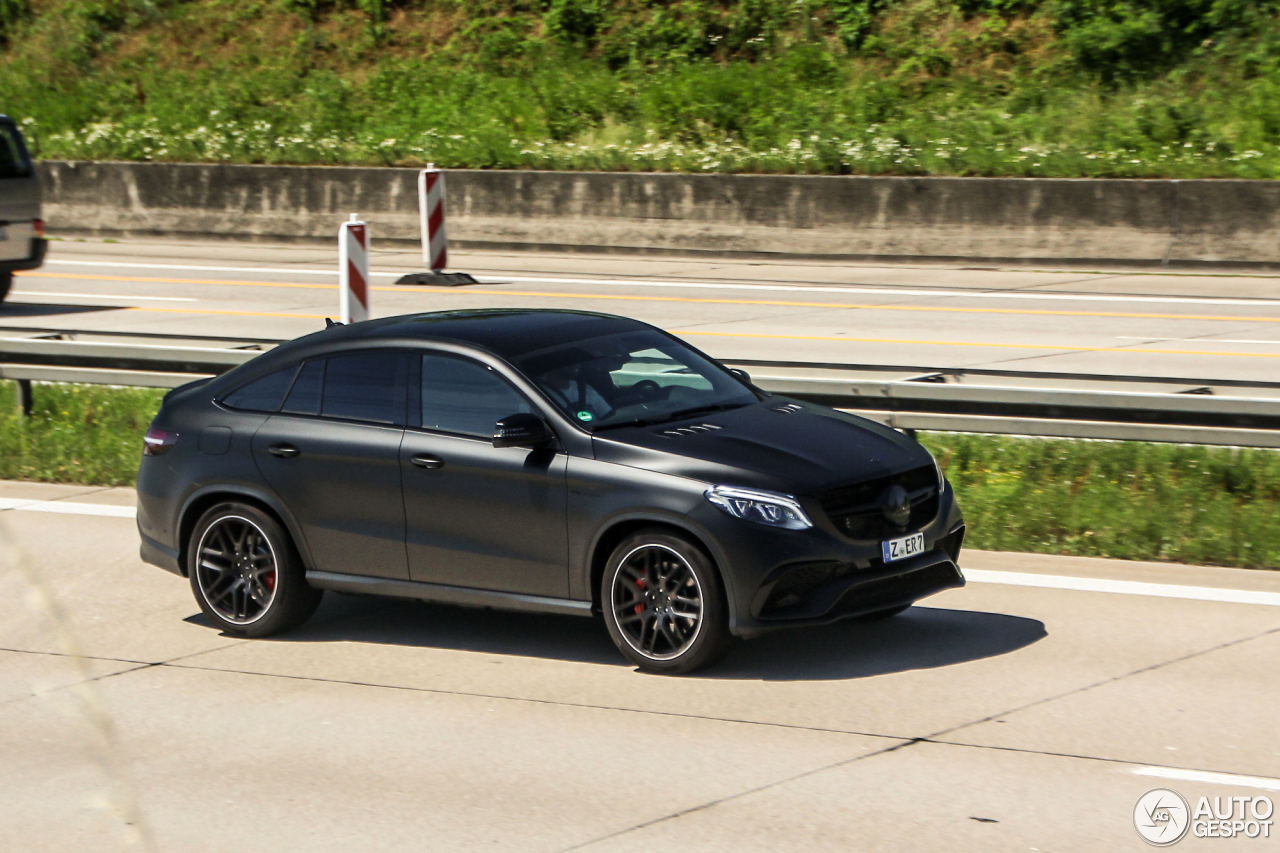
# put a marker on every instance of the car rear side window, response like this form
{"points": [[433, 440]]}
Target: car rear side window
{"points": [[367, 386], [459, 395], [13, 157], [304, 398], [264, 394]]}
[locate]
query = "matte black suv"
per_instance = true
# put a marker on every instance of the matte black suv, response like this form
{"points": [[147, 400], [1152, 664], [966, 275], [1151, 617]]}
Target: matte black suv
{"points": [[542, 460], [22, 243]]}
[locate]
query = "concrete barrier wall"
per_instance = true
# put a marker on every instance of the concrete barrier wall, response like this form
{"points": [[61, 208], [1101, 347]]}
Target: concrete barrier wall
{"points": [[990, 219]]}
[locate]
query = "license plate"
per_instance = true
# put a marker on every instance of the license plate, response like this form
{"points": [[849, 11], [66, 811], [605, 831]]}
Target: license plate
{"points": [[900, 549]]}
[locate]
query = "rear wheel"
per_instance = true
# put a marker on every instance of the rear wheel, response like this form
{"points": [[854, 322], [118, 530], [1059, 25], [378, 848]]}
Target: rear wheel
{"points": [[6, 281], [246, 574], [663, 603]]}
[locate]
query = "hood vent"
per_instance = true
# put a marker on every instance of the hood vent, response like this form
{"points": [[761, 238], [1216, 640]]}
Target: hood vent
{"points": [[688, 430], [788, 408]]}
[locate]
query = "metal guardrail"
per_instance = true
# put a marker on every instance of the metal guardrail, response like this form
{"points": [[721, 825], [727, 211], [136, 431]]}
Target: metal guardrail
{"points": [[1196, 411]]}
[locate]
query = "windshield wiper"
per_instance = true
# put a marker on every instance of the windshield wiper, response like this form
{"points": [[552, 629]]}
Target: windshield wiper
{"points": [[677, 415], [680, 414], [635, 422]]}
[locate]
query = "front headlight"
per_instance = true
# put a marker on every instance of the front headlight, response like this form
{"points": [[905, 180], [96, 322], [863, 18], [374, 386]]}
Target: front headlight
{"points": [[771, 508]]}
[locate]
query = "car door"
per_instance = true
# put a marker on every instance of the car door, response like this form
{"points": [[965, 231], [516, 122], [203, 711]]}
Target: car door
{"points": [[332, 454], [477, 515]]}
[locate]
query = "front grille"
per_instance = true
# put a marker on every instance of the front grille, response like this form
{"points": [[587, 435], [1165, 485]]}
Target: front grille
{"points": [[856, 512], [912, 585]]}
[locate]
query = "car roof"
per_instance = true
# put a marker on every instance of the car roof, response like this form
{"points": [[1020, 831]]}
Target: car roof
{"points": [[506, 332]]}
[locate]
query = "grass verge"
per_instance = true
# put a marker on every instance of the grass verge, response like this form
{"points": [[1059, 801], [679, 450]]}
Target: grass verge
{"points": [[1128, 500], [1050, 88], [87, 434]]}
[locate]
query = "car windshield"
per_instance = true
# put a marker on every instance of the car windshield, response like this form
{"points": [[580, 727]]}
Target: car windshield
{"points": [[632, 379]]}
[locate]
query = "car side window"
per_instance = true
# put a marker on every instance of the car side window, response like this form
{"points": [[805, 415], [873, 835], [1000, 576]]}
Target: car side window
{"points": [[304, 397], [263, 394], [367, 386], [464, 396]]}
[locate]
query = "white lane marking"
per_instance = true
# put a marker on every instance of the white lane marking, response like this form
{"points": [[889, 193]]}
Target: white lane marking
{"points": [[707, 285], [1260, 782], [1159, 590], [68, 508], [103, 296], [1193, 340]]}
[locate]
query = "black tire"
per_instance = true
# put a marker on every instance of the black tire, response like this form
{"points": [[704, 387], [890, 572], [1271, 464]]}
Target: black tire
{"points": [[6, 282], [246, 574], [654, 581], [881, 615]]}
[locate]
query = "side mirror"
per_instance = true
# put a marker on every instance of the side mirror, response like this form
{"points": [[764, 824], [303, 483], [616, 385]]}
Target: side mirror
{"points": [[740, 373], [521, 430]]}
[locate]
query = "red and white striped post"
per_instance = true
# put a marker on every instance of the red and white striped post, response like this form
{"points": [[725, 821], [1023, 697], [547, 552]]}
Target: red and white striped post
{"points": [[435, 244], [353, 270]]}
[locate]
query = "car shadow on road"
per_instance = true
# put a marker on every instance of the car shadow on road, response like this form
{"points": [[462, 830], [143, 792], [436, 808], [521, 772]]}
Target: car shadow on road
{"points": [[10, 310], [920, 638]]}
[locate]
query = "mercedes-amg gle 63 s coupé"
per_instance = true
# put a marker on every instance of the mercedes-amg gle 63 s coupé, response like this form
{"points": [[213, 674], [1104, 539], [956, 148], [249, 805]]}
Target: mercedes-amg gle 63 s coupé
{"points": [[556, 461]]}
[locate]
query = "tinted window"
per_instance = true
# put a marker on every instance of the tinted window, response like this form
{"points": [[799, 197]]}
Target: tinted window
{"points": [[13, 160], [365, 387], [304, 399], [465, 396], [262, 395]]}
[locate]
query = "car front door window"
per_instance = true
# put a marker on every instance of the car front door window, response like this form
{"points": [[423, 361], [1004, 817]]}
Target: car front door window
{"points": [[477, 515]]}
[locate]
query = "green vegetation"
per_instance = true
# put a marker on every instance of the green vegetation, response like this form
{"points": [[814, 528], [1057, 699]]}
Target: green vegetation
{"points": [[76, 434], [1181, 88], [1129, 500]]}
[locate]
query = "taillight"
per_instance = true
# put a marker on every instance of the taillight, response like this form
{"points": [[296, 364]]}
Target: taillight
{"points": [[158, 441], [38, 224]]}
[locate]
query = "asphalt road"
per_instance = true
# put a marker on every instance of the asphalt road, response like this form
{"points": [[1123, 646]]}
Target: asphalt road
{"points": [[1027, 711], [1203, 325]]}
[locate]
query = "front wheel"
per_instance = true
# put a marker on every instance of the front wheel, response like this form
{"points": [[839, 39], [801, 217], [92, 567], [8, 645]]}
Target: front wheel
{"points": [[6, 282], [663, 604], [245, 573]]}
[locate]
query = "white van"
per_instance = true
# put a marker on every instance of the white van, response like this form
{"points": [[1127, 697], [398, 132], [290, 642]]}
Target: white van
{"points": [[22, 243]]}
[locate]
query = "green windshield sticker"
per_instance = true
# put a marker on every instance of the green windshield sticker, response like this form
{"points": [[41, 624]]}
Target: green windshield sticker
{"points": [[585, 416]]}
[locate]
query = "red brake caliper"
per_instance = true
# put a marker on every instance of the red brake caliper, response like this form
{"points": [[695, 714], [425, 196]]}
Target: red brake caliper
{"points": [[640, 583], [269, 581]]}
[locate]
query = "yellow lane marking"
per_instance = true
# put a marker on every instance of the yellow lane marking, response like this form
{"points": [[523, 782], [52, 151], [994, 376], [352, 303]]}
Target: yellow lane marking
{"points": [[1130, 350], [235, 313], [777, 303], [187, 280]]}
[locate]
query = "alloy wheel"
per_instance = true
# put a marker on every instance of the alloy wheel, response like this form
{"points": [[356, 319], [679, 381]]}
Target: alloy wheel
{"points": [[657, 602], [237, 570]]}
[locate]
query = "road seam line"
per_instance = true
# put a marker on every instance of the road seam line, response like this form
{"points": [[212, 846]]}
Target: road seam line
{"points": [[1106, 681]]}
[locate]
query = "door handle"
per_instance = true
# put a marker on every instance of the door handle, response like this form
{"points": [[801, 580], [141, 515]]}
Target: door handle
{"points": [[283, 450], [426, 460]]}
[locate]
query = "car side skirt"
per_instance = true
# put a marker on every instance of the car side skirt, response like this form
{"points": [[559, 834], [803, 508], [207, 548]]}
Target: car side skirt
{"points": [[445, 594]]}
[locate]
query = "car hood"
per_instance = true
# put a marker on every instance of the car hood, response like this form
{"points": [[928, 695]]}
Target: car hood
{"points": [[778, 444]]}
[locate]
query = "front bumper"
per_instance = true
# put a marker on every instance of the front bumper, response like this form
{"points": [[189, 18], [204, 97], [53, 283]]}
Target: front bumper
{"points": [[39, 245], [781, 578]]}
